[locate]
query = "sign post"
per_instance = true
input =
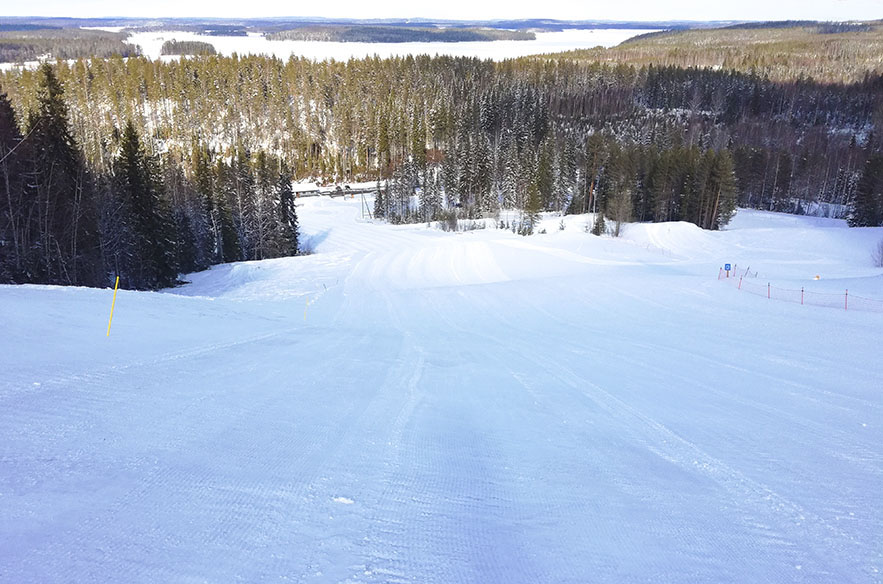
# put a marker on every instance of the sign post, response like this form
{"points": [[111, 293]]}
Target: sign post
{"points": [[727, 267]]}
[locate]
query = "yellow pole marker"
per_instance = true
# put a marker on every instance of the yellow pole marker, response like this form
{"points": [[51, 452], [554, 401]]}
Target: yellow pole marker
{"points": [[112, 304], [305, 309]]}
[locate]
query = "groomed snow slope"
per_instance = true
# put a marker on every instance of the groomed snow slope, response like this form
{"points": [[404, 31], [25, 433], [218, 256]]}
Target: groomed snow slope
{"points": [[413, 406]]}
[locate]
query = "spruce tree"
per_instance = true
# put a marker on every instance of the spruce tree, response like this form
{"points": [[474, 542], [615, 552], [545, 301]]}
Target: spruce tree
{"points": [[226, 246], [14, 227], [530, 218], [599, 227], [266, 217], [287, 228], [866, 209], [189, 226], [66, 243], [722, 182], [202, 183], [379, 203], [149, 254], [241, 191]]}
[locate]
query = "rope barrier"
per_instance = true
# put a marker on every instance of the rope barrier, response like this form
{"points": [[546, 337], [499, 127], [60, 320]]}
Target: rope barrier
{"points": [[747, 282]]}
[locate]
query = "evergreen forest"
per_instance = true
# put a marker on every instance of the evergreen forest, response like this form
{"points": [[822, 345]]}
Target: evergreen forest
{"points": [[149, 169]]}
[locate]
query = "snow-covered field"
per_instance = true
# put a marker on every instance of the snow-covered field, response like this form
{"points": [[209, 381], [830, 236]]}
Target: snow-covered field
{"points": [[255, 44], [408, 405]]}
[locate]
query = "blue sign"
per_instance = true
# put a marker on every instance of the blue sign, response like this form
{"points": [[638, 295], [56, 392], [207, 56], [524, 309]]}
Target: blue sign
{"points": [[727, 267]]}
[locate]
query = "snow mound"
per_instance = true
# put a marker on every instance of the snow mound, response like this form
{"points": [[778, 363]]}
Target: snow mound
{"points": [[678, 238]]}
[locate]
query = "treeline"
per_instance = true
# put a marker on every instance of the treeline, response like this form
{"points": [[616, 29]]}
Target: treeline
{"points": [[794, 146], [397, 34], [650, 144], [785, 51], [867, 208], [833, 27], [143, 218], [176, 47], [19, 45], [623, 183], [210, 28]]}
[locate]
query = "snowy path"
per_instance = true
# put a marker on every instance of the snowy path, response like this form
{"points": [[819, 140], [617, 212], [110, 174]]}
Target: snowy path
{"points": [[450, 408]]}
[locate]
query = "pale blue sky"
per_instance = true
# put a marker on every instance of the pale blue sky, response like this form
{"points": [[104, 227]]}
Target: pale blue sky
{"points": [[465, 9]]}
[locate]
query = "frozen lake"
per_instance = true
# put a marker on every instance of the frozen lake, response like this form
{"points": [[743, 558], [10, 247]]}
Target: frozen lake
{"points": [[546, 42]]}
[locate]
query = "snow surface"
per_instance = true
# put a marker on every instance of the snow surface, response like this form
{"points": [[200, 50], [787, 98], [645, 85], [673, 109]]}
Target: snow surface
{"points": [[256, 44], [408, 405]]}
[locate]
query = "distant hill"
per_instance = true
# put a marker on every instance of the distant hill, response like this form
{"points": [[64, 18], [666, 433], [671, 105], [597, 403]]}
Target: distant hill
{"points": [[827, 52], [392, 34], [24, 43], [240, 26]]}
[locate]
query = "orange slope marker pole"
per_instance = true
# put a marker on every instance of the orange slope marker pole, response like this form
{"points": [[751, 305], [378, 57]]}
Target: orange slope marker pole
{"points": [[112, 304]]}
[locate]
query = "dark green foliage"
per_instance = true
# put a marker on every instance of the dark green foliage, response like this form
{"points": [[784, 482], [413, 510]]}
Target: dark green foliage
{"points": [[654, 144], [842, 27], [71, 43], [188, 216], [146, 257], [240, 190], [398, 34], [287, 234], [599, 227], [175, 47], [227, 247], [486, 130], [14, 226], [530, 218], [63, 240], [144, 218], [380, 204], [866, 209], [789, 51]]}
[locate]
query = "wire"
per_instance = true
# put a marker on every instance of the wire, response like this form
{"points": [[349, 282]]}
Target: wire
{"points": [[14, 148]]}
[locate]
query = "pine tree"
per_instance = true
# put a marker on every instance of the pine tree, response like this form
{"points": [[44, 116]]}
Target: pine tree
{"points": [[241, 191], [66, 242], [511, 168], [620, 208], [14, 227], [188, 217], [530, 218], [266, 217], [202, 183], [599, 227], [431, 196], [866, 209], [487, 203], [722, 182], [380, 202], [596, 159], [287, 227], [149, 251], [226, 239], [545, 175]]}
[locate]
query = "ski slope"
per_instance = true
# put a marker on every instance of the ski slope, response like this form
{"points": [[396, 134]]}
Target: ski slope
{"points": [[408, 405]]}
